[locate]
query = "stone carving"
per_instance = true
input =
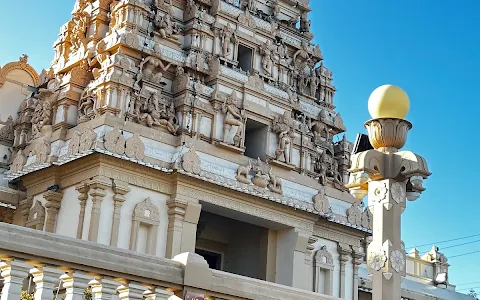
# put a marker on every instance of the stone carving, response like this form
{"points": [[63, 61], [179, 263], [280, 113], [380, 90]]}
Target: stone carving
{"points": [[247, 19], [319, 128], [399, 192], [250, 5], [152, 68], [261, 171], [43, 112], [301, 57], [86, 105], [191, 162], [234, 119], [338, 121], [275, 184], [135, 148], [6, 132], [150, 113], [101, 58], [36, 216], [18, 162], [304, 22], [41, 151], [114, 141], [380, 193], [376, 261], [285, 128], [323, 256], [320, 202], [314, 81], [243, 172], [354, 215], [367, 219], [227, 36], [397, 260], [267, 63], [146, 210], [165, 26], [256, 81], [82, 140], [321, 166]]}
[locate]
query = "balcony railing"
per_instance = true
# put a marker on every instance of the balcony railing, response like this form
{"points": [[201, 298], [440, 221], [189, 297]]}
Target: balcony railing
{"points": [[52, 266]]}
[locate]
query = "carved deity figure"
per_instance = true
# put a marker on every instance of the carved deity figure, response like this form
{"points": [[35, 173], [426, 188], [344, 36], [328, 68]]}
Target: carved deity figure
{"points": [[301, 57], [302, 81], [152, 68], [78, 27], [152, 114], [284, 128], [43, 112], [86, 103], [319, 128], [250, 5], [102, 57], [234, 119], [314, 81], [266, 51], [275, 184], [321, 166], [228, 35], [166, 27], [337, 177], [304, 22]]}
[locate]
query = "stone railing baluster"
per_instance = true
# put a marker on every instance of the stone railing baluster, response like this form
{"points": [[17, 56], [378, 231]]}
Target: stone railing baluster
{"points": [[47, 280], [13, 273], [75, 284]]}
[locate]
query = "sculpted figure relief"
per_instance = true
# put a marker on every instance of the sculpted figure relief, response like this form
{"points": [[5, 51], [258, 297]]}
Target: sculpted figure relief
{"points": [[304, 22], [234, 119], [102, 57], [166, 27], [228, 36], [152, 68], [43, 112], [86, 104], [284, 127], [267, 63], [150, 113], [319, 128], [6, 132], [301, 57], [314, 81]]}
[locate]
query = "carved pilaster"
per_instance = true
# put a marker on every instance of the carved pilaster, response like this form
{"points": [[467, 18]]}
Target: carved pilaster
{"points": [[52, 205], [182, 226], [82, 190], [357, 260], [98, 187], [344, 252], [120, 188]]}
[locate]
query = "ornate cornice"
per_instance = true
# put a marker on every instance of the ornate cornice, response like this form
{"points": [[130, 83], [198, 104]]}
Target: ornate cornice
{"points": [[22, 64]]}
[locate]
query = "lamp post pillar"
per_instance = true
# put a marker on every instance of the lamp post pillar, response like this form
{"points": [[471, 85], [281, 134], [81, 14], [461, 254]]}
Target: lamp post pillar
{"points": [[389, 177]]}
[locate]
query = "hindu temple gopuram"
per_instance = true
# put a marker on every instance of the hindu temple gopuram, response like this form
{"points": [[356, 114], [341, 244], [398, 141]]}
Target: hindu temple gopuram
{"points": [[184, 149]]}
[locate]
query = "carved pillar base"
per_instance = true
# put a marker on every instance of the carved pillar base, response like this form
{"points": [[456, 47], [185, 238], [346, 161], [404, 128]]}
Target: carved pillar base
{"points": [[52, 206]]}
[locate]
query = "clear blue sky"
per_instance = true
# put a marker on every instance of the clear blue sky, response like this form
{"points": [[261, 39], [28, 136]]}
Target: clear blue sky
{"points": [[428, 47]]}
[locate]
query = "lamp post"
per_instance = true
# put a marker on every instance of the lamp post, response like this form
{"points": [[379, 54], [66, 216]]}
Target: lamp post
{"points": [[389, 177]]}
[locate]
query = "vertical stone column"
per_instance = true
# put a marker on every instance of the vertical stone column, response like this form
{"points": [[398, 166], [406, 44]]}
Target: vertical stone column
{"points": [[52, 206], [98, 187], [344, 251], [120, 189], [123, 289], [357, 259], [386, 258], [182, 226], [82, 190], [74, 285], [46, 280], [99, 291], [13, 273]]}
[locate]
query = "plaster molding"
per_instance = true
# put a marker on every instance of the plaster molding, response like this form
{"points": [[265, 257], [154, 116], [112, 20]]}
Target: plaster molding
{"points": [[259, 209], [23, 65]]}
